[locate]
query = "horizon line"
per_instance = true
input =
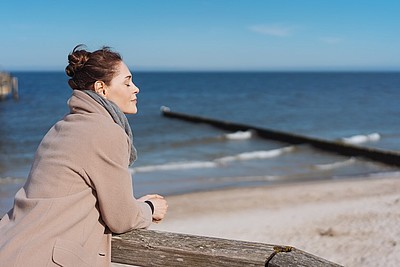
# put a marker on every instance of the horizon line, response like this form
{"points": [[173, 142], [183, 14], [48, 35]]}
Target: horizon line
{"points": [[227, 70]]}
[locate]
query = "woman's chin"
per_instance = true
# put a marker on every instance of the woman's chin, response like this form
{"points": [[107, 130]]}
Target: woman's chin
{"points": [[131, 111]]}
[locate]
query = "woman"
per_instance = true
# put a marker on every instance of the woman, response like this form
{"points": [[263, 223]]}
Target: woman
{"points": [[79, 189]]}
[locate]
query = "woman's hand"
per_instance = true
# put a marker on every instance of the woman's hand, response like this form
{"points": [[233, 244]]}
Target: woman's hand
{"points": [[160, 206]]}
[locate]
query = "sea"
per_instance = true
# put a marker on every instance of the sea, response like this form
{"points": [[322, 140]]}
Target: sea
{"points": [[176, 156]]}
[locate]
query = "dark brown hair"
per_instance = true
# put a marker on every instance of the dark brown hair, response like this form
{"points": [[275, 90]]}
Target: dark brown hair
{"points": [[85, 68]]}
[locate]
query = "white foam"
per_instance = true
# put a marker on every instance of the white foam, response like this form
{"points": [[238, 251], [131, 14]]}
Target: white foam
{"points": [[239, 135], [175, 166], [261, 178], [212, 164], [255, 155], [359, 139], [390, 174], [164, 109], [335, 165]]}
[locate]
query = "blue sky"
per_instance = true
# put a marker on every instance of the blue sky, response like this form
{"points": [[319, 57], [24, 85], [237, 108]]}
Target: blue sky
{"points": [[205, 34]]}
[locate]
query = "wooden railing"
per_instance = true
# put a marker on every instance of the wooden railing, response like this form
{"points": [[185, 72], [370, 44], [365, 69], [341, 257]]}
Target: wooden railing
{"points": [[154, 248]]}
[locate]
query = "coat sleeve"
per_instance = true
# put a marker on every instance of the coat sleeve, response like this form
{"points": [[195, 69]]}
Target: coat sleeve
{"points": [[111, 179]]}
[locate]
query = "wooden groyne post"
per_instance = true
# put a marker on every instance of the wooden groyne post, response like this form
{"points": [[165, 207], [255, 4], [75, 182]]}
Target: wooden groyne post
{"points": [[164, 249], [379, 155], [8, 85]]}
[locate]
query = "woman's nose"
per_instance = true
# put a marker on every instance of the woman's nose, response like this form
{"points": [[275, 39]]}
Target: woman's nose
{"points": [[135, 89]]}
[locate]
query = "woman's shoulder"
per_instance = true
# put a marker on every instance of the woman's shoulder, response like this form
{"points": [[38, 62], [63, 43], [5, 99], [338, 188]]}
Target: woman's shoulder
{"points": [[93, 123], [93, 131]]}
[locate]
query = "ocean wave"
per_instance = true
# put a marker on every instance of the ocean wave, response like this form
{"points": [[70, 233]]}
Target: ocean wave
{"points": [[359, 139], [335, 165], [175, 166], [260, 178], [389, 174], [256, 155], [214, 163], [239, 135]]}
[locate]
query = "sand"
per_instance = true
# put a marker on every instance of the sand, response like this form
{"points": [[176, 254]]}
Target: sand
{"points": [[353, 222]]}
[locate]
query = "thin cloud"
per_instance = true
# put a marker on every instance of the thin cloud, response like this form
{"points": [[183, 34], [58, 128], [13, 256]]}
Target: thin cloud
{"points": [[272, 30]]}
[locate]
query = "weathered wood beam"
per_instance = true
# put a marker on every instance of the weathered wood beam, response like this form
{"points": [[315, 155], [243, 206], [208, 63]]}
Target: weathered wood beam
{"points": [[154, 248]]}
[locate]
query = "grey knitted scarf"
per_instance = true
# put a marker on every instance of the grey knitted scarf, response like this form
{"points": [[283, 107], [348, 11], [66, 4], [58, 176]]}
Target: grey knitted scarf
{"points": [[118, 117]]}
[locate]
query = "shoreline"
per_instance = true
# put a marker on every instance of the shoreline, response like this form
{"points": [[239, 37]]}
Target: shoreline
{"points": [[353, 222]]}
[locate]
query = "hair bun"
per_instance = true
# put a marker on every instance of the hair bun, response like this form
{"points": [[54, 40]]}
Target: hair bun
{"points": [[85, 68], [70, 71], [76, 60]]}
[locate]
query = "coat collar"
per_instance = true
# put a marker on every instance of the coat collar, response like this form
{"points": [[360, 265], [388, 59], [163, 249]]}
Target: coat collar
{"points": [[81, 103]]}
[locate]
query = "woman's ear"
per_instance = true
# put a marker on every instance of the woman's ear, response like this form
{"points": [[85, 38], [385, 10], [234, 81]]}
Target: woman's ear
{"points": [[100, 88]]}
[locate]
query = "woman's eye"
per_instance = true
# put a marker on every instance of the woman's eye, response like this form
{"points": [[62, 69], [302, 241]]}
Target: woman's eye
{"points": [[128, 85]]}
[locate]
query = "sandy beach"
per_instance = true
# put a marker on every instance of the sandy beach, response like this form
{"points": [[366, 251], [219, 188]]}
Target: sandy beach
{"points": [[353, 222]]}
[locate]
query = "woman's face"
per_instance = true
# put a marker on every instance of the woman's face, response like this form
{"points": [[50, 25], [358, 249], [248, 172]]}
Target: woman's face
{"points": [[122, 91]]}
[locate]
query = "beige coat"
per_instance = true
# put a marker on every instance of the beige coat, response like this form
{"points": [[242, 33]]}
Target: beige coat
{"points": [[79, 190]]}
